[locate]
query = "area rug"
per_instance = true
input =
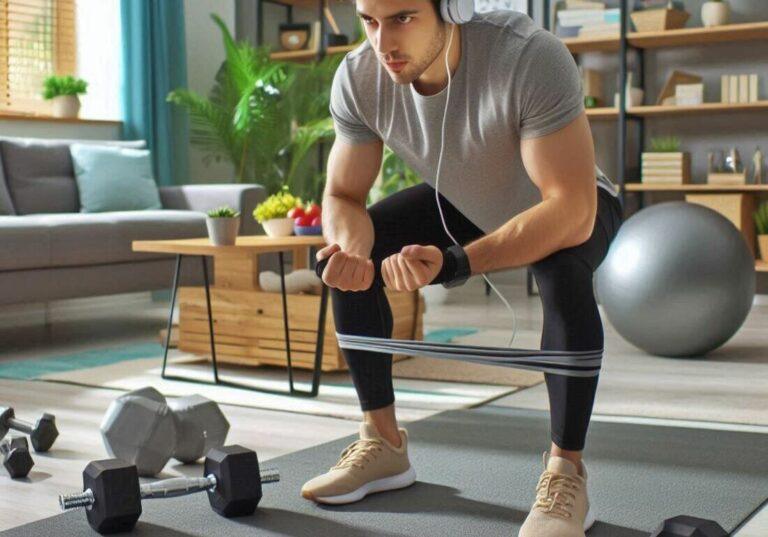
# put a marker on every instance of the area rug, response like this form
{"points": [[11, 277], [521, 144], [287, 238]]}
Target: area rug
{"points": [[476, 475], [134, 366]]}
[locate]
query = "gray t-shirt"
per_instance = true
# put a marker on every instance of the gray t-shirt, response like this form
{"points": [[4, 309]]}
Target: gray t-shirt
{"points": [[514, 81]]}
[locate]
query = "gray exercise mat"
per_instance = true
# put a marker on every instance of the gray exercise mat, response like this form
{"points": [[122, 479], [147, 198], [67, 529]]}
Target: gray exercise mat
{"points": [[477, 472]]}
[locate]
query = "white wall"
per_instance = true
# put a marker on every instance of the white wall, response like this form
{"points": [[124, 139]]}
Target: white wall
{"points": [[205, 52]]}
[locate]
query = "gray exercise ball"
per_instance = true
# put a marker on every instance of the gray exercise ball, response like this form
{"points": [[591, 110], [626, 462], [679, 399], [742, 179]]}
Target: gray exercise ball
{"points": [[678, 280]]}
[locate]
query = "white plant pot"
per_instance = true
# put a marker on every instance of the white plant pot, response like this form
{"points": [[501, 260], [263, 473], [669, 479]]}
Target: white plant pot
{"points": [[278, 227], [715, 13], [223, 231], [66, 106]]}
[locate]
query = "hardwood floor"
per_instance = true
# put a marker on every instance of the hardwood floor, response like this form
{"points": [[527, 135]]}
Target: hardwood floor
{"points": [[722, 388]]}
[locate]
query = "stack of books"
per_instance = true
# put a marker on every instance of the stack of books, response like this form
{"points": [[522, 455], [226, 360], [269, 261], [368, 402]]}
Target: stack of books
{"points": [[587, 18]]}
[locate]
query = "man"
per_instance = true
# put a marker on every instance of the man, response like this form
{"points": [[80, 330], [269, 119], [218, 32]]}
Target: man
{"points": [[515, 131]]}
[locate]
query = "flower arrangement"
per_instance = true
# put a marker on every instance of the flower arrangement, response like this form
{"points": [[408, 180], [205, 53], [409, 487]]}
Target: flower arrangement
{"points": [[276, 206]]}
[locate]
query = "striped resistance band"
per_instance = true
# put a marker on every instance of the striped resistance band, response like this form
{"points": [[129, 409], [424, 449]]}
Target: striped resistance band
{"points": [[566, 363]]}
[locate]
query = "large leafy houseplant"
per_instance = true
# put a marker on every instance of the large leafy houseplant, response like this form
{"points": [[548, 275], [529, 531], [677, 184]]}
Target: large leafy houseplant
{"points": [[264, 116]]}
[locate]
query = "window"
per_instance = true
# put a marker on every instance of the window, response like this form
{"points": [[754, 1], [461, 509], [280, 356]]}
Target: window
{"points": [[37, 38]]}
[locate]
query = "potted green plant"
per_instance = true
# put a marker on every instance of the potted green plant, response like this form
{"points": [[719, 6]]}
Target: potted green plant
{"points": [[715, 13], [223, 224], [63, 91], [665, 162], [264, 116], [761, 223], [272, 213]]}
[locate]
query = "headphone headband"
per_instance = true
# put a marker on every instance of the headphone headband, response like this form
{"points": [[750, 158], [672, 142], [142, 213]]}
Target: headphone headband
{"points": [[457, 11]]}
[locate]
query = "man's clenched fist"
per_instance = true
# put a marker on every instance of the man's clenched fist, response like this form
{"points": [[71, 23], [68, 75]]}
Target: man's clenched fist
{"points": [[346, 272], [412, 268]]}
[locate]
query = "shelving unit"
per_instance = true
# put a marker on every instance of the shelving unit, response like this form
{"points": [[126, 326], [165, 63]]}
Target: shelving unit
{"points": [[639, 42]]}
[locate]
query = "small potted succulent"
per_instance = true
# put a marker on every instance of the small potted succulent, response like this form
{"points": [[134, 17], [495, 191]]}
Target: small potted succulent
{"points": [[761, 222], [63, 91], [223, 225], [715, 13], [272, 213]]}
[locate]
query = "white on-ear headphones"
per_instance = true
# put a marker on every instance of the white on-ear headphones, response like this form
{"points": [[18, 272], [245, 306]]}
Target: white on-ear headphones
{"points": [[457, 11]]}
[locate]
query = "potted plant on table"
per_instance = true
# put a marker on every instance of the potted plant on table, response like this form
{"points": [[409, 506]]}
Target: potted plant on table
{"points": [[761, 222], [223, 225], [63, 91], [272, 213]]}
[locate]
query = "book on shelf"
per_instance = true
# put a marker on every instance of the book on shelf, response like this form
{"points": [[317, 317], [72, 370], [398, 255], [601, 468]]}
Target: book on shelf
{"points": [[584, 4], [586, 17]]}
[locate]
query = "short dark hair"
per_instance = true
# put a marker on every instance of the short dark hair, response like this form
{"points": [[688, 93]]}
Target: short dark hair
{"points": [[435, 4]]}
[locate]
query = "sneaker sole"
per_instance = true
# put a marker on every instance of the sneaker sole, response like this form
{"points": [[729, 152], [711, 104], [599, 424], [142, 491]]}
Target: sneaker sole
{"points": [[589, 520], [394, 482]]}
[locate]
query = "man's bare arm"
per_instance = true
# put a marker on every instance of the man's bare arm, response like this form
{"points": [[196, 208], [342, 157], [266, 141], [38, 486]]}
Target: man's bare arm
{"points": [[562, 166], [352, 170]]}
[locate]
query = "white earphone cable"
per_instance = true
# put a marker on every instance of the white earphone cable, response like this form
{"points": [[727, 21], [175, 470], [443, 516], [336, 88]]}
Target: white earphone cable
{"points": [[437, 187]]}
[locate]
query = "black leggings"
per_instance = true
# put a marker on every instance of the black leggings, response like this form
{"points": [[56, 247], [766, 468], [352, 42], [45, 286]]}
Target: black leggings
{"points": [[571, 318]]}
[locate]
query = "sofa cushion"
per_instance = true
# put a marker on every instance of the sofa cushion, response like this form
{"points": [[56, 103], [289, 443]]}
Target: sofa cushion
{"points": [[58, 240], [46, 186], [114, 179]]}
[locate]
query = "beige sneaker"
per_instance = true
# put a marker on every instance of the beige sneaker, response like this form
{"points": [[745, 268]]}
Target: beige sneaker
{"points": [[368, 465], [561, 508]]}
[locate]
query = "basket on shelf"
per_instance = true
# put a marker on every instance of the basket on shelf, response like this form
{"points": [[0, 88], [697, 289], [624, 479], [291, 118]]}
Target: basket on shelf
{"points": [[657, 20]]}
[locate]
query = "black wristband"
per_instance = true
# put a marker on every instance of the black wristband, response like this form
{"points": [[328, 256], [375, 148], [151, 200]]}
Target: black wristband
{"points": [[320, 267], [456, 270]]}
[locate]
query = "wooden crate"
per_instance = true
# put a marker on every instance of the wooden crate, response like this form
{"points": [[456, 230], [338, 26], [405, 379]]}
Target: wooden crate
{"points": [[656, 20], [248, 326], [667, 168], [738, 208]]}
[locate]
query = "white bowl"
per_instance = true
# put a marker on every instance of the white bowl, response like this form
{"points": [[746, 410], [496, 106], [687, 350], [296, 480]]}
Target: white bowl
{"points": [[278, 227]]}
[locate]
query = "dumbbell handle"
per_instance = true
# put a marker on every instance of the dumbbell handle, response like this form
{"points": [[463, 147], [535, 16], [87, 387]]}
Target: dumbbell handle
{"points": [[167, 488], [21, 425]]}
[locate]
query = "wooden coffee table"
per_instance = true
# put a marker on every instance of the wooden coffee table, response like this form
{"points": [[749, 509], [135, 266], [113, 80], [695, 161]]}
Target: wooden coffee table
{"points": [[236, 269], [255, 327]]}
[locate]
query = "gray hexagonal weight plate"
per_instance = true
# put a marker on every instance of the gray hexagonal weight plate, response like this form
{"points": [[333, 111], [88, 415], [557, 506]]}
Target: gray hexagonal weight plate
{"points": [[200, 426]]}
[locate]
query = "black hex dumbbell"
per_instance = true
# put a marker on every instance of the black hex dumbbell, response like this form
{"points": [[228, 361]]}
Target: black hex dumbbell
{"points": [[42, 434], [689, 526], [112, 493], [16, 457]]}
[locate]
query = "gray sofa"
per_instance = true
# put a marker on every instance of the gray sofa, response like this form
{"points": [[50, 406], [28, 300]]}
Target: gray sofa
{"points": [[52, 251]]}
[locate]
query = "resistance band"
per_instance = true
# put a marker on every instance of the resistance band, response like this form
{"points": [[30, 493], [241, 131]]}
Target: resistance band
{"points": [[567, 363]]}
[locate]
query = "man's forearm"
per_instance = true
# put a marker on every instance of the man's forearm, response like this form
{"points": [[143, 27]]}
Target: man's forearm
{"points": [[348, 224], [530, 236]]}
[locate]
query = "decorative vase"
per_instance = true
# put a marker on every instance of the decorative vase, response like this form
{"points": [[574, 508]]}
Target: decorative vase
{"points": [[762, 241], [278, 227], [715, 13], [66, 106], [223, 230]]}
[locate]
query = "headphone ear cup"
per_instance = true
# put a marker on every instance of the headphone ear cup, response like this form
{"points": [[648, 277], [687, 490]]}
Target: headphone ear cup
{"points": [[457, 11]]}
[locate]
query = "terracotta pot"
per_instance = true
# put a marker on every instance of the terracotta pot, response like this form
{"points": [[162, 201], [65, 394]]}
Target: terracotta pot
{"points": [[66, 106], [715, 13]]}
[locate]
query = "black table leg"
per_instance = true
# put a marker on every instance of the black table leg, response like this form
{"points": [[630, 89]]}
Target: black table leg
{"points": [[218, 381]]}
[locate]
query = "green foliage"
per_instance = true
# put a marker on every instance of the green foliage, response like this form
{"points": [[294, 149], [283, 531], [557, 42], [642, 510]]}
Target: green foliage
{"points": [[395, 176], [276, 206], [262, 115], [223, 212], [665, 144], [761, 219], [54, 86]]}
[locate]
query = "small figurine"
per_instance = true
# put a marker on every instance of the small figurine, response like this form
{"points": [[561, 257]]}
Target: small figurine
{"points": [[733, 161], [711, 162], [759, 170]]}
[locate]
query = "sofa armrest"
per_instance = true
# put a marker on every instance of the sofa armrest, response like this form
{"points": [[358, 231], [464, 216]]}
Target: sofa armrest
{"points": [[202, 198]]}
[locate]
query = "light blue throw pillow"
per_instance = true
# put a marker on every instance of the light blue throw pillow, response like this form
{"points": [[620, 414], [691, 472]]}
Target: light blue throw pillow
{"points": [[114, 179]]}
